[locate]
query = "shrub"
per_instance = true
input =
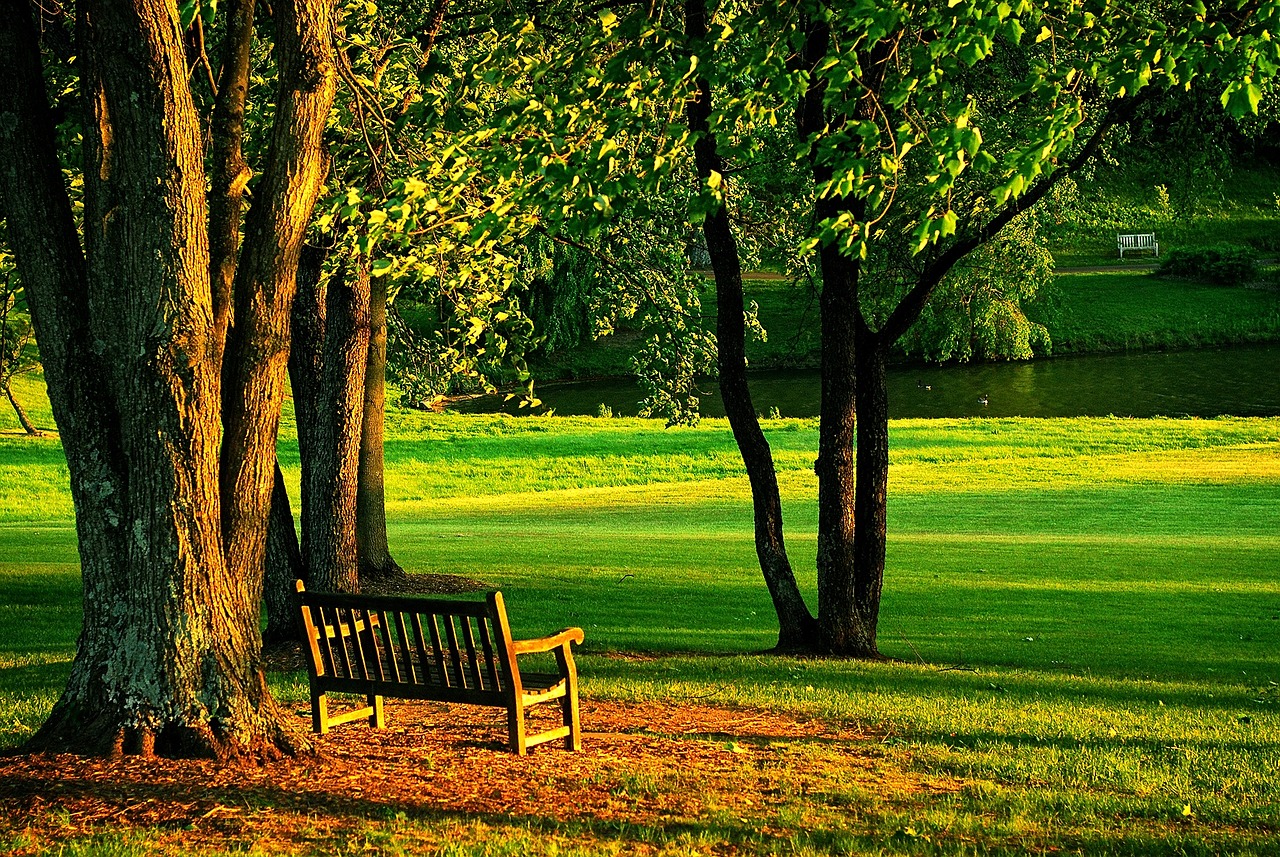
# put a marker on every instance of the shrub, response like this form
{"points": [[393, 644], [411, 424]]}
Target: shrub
{"points": [[1229, 264]]}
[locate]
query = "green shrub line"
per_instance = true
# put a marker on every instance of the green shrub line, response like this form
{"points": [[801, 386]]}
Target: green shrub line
{"points": [[1226, 264]]}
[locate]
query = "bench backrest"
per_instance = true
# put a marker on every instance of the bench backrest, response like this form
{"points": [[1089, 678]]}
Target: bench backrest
{"points": [[1137, 241], [457, 650]]}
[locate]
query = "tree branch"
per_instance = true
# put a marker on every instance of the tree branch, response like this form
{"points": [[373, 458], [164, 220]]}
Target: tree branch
{"points": [[910, 307]]}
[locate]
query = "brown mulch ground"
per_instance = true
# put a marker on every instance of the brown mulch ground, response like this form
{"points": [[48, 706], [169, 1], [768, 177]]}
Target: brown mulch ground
{"points": [[647, 765], [643, 767]]}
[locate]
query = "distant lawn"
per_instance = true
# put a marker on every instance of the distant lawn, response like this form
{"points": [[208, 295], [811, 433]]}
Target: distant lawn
{"points": [[1134, 310], [1237, 206]]}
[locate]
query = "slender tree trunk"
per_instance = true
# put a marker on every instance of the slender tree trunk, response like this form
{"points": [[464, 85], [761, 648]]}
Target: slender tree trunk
{"points": [[848, 590], [306, 368], [284, 566], [23, 420], [871, 496], [797, 629], [838, 607], [228, 172], [266, 281], [375, 558]]}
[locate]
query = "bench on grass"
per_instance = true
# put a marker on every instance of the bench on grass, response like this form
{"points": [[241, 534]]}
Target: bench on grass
{"points": [[1137, 241], [437, 649]]}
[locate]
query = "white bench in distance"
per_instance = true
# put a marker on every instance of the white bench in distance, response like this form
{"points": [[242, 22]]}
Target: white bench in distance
{"points": [[1137, 241]]}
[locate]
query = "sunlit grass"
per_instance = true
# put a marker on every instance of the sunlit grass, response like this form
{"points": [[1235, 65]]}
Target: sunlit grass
{"points": [[1085, 615]]}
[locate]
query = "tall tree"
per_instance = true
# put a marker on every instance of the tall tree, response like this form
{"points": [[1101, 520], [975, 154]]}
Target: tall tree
{"points": [[170, 453], [924, 128], [797, 628]]}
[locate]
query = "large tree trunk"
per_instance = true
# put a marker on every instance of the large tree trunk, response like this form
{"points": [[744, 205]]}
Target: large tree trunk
{"points": [[169, 655], [168, 660], [797, 629], [375, 558]]}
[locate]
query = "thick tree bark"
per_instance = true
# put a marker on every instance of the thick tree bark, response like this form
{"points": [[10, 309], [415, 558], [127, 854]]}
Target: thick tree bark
{"points": [[375, 558], [266, 280], [23, 420], [284, 566], [797, 629], [169, 656]]}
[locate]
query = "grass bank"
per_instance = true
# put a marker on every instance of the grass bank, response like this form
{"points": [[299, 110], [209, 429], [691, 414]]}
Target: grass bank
{"points": [[1116, 310], [1085, 615], [1090, 313]]}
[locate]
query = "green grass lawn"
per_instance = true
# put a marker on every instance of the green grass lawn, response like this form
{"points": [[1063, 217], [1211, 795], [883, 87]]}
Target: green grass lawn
{"points": [[1085, 613], [1136, 310]]}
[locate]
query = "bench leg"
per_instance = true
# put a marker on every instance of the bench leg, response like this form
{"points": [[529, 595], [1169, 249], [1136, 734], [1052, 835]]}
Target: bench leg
{"points": [[377, 719], [572, 719], [515, 729], [319, 713]]}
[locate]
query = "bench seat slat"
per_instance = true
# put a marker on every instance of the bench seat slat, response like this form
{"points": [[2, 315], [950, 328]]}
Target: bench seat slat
{"points": [[412, 691]]}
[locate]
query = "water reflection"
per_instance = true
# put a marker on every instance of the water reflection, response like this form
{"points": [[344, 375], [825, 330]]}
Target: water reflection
{"points": [[1241, 381]]}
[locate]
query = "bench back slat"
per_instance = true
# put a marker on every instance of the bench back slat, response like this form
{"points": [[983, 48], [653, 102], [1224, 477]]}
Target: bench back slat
{"points": [[437, 650], [354, 632], [381, 641], [455, 656], [424, 659], [387, 657], [491, 662], [331, 624], [473, 663], [1136, 241], [406, 649]]}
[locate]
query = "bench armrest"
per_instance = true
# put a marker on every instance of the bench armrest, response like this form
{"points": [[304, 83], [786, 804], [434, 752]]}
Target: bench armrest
{"points": [[547, 644]]}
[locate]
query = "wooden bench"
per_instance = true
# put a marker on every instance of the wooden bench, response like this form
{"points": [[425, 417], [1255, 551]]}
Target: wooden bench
{"points": [[1137, 241], [438, 649]]}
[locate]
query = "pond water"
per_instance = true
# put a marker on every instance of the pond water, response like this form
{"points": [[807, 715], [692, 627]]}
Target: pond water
{"points": [[1240, 381]]}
